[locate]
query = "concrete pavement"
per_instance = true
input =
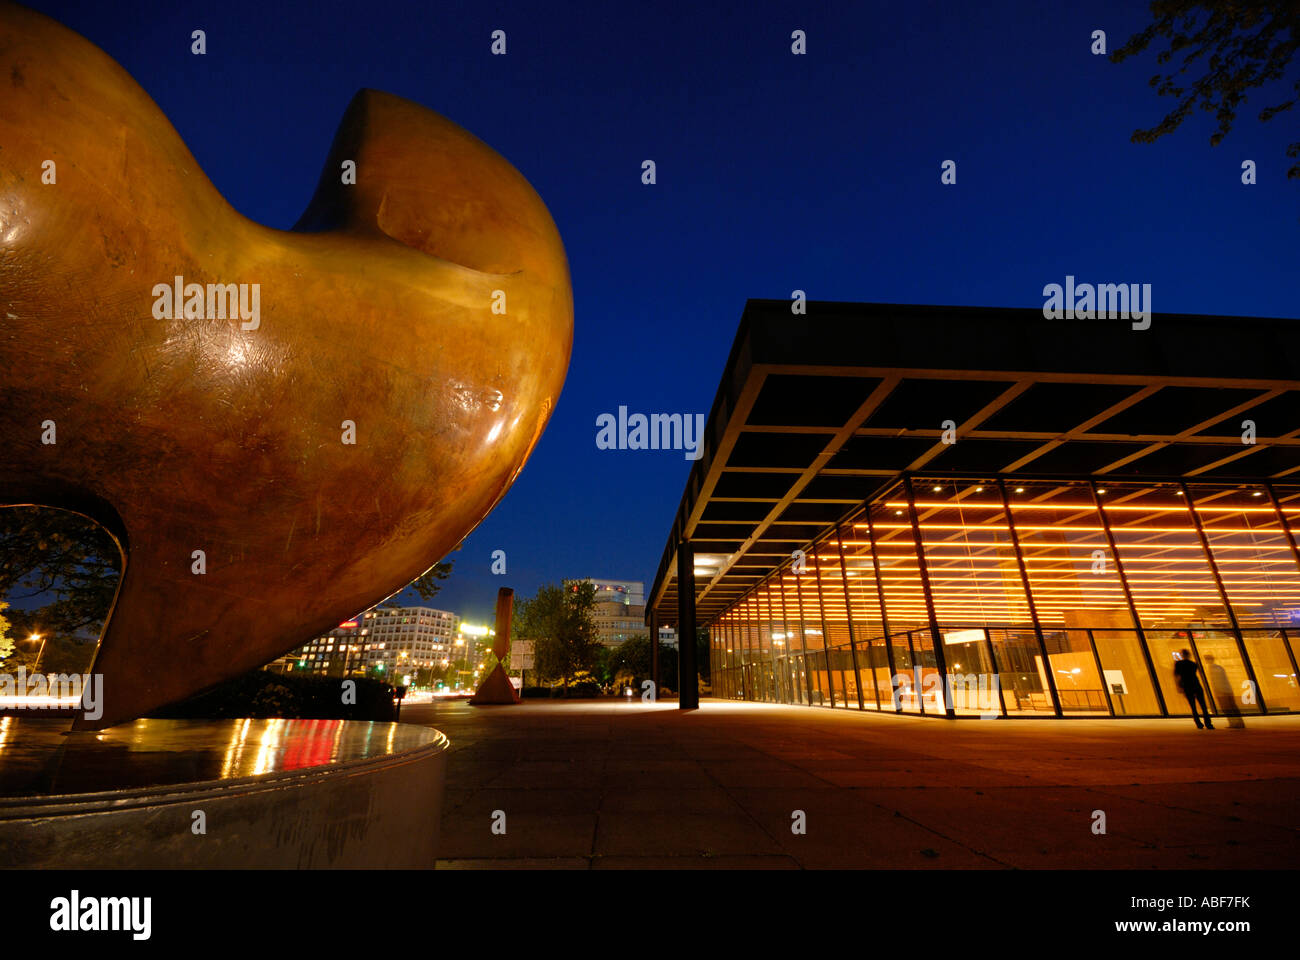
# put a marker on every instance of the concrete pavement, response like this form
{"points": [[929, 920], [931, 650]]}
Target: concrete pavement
{"points": [[610, 784]]}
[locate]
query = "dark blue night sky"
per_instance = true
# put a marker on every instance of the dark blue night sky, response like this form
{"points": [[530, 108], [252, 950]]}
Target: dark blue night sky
{"points": [[775, 172]]}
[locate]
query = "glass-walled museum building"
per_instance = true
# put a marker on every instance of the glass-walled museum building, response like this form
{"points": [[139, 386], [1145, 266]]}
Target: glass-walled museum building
{"points": [[969, 512]]}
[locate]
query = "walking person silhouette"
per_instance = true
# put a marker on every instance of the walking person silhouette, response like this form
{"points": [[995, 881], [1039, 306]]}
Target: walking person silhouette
{"points": [[1185, 674]]}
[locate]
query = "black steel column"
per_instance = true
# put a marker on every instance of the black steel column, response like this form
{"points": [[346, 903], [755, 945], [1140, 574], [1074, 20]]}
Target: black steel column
{"points": [[1227, 604], [688, 692], [884, 615], [848, 613], [1128, 597], [1048, 670], [936, 639], [654, 650]]}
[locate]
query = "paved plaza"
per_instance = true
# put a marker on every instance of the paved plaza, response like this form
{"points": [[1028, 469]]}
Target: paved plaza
{"points": [[614, 784]]}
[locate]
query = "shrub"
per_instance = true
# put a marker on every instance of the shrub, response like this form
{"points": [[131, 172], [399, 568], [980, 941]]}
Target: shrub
{"points": [[264, 694], [583, 689]]}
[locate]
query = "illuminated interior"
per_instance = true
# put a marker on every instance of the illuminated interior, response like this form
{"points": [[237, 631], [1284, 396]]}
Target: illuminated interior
{"points": [[1070, 598]]}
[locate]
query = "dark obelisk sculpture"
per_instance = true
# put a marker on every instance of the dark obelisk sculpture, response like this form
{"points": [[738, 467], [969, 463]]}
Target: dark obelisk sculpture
{"points": [[496, 686], [279, 428]]}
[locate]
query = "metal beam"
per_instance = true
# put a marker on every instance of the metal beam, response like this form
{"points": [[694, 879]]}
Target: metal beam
{"points": [[842, 435], [970, 423], [1227, 603], [1128, 597], [1029, 597], [936, 638]]}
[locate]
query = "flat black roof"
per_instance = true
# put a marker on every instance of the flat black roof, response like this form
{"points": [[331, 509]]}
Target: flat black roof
{"points": [[819, 412]]}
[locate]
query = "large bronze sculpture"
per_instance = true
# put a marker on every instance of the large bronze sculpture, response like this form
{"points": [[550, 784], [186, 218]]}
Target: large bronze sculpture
{"points": [[280, 428]]}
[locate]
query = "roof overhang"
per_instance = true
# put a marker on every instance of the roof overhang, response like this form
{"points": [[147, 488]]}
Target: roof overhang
{"points": [[818, 413]]}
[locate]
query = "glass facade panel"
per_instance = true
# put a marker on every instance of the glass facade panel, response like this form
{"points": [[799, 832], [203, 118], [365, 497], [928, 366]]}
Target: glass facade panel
{"points": [[900, 574], [972, 675], [818, 678], [1071, 570], [1074, 668], [863, 597], [969, 555], [1166, 649], [754, 645], [763, 648], [735, 650], [926, 671], [1229, 689], [780, 648], [1273, 669], [873, 666], [842, 676], [1125, 672], [835, 615], [1022, 677], [904, 691], [1164, 561], [822, 635], [793, 639], [1251, 552]]}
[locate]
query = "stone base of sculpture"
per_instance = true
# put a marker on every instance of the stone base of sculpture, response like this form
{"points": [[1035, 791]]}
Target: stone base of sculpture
{"points": [[221, 793], [496, 688]]}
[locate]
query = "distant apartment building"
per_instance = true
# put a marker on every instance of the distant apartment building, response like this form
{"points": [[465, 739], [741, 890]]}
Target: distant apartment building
{"points": [[620, 609], [627, 592], [392, 641]]}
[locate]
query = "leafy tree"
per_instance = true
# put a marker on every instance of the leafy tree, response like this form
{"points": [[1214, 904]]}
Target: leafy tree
{"points": [[631, 659], [630, 663], [52, 653], [6, 641], [1239, 46], [559, 621], [601, 665], [426, 584], [64, 555]]}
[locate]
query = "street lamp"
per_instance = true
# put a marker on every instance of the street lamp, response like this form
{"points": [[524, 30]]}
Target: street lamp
{"points": [[32, 638]]}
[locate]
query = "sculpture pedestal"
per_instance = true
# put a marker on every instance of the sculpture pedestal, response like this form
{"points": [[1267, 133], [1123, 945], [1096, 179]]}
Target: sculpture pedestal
{"points": [[495, 688], [220, 793]]}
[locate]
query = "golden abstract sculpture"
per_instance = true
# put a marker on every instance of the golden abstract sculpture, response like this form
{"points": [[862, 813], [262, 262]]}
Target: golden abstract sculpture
{"points": [[280, 428]]}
